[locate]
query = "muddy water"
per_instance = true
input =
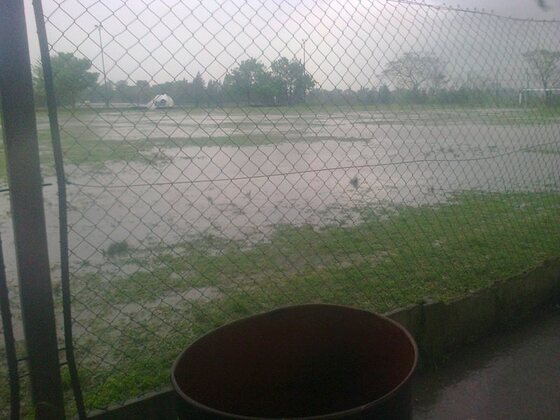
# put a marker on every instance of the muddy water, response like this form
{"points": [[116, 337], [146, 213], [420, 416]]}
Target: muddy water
{"points": [[322, 168]]}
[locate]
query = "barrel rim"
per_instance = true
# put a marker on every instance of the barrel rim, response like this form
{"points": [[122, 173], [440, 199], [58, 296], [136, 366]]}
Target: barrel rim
{"points": [[338, 414]]}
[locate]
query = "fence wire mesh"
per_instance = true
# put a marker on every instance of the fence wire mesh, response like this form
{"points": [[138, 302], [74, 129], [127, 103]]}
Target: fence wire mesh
{"points": [[227, 157]]}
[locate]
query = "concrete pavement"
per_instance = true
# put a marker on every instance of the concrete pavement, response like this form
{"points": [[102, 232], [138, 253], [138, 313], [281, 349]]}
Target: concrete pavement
{"points": [[512, 375]]}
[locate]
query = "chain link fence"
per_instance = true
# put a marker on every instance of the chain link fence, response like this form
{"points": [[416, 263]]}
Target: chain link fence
{"points": [[224, 158]]}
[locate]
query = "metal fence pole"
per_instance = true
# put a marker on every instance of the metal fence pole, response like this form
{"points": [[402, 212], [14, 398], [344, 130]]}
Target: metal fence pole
{"points": [[9, 341], [24, 175], [62, 207]]}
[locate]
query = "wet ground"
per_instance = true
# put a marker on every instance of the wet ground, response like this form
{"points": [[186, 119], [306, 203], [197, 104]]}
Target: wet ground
{"points": [[513, 375], [311, 168], [317, 168]]}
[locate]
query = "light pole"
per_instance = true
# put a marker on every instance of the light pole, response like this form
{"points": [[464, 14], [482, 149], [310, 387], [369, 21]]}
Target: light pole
{"points": [[303, 46], [304, 71], [99, 27]]}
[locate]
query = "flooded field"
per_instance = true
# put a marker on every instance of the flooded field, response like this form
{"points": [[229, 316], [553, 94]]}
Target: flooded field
{"points": [[294, 168], [179, 221]]}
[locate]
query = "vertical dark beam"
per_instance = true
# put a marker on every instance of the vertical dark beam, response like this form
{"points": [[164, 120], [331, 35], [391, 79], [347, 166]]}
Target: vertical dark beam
{"points": [[24, 180], [9, 341], [62, 207]]}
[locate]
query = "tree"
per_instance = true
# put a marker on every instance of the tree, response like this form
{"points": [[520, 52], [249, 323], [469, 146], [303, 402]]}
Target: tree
{"points": [[122, 92], [292, 79], [366, 96], [284, 77], [384, 95], [545, 65], [143, 91], [214, 92], [70, 75], [243, 80], [198, 88], [417, 72]]}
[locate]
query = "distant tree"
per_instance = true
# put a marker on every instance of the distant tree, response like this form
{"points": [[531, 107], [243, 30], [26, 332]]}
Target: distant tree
{"points": [[286, 79], [384, 95], [214, 92], [267, 89], [198, 89], [417, 72], [243, 80], [545, 67], [71, 77], [366, 96], [143, 91], [292, 79], [123, 91]]}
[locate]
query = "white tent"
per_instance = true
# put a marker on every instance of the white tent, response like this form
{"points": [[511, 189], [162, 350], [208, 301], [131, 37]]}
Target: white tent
{"points": [[161, 101]]}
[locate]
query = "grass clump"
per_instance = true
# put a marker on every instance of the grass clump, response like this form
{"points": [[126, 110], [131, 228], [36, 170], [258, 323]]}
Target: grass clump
{"points": [[117, 249]]}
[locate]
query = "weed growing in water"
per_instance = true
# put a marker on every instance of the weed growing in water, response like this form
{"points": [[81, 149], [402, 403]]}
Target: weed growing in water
{"points": [[117, 249]]}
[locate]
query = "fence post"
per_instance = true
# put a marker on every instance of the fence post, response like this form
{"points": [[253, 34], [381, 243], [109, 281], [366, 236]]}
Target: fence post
{"points": [[24, 179]]}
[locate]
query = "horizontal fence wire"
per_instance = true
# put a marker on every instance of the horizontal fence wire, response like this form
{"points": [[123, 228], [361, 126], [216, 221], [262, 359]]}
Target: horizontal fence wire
{"points": [[224, 158]]}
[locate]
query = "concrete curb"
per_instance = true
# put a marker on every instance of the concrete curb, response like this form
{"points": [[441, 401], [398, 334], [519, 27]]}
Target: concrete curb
{"points": [[440, 327]]}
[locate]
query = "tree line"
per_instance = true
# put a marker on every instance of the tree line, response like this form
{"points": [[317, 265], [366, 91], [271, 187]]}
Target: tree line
{"points": [[413, 77], [284, 82]]}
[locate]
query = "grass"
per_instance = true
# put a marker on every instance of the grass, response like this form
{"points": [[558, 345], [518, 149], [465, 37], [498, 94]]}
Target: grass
{"points": [[387, 261], [130, 327], [84, 150]]}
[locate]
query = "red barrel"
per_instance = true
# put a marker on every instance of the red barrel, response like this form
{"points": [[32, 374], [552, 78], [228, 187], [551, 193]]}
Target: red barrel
{"points": [[299, 362]]}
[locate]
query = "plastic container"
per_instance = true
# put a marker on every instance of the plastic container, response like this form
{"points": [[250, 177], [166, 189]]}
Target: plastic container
{"points": [[308, 361]]}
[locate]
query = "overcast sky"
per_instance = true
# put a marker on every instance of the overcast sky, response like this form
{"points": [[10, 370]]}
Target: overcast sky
{"points": [[347, 41]]}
